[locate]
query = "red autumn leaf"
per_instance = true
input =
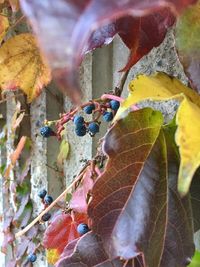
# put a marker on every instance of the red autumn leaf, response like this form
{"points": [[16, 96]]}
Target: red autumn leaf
{"points": [[62, 230], [88, 251], [135, 205], [79, 198], [66, 29]]}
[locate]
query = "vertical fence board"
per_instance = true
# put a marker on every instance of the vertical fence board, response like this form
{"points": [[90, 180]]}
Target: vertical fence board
{"points": [[80, 147], [2, 200], [39, 160]]}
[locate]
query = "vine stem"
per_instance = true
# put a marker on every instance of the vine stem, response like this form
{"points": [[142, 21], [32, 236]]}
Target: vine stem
{"points": [[22, 232]]}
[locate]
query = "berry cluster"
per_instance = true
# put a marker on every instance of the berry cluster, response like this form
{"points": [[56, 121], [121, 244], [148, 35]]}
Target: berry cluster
{"points": [[46, 200], [106, 109]]}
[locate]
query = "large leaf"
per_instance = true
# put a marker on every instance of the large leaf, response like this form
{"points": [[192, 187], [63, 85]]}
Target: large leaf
{"points": [[88, 251], [135, 206], [130, 187], [22, 66], [162, 87], [61, 231], [188, 44], [67, 29]]}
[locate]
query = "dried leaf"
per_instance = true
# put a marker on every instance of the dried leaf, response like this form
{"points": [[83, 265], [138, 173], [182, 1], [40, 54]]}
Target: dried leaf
{"points": [[61, 231], [78, 26], [22, 66]]}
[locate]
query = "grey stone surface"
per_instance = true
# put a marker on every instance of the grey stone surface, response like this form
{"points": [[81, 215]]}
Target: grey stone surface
{"points": [[161, 59]]}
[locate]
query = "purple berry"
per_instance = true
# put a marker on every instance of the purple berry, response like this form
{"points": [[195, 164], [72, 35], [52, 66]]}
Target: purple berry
{"points": [[46, 217], [83, 228], [46, 131], [48, 200], [42, 193], [88, 109], [93, 127], [107, 116], [32, 257], [80, 130], [114, 104], [78, 120]]}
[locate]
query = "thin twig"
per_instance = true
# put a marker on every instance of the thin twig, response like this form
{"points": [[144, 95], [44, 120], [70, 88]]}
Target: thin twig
{"points": [[22, 232], [119, 88]]}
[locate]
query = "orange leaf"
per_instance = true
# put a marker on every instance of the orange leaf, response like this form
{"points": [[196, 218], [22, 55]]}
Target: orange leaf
{"points": [[15, 155]]}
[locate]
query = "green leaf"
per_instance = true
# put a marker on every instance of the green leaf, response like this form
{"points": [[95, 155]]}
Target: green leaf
{"points": [[63, 152], [195, 260]]}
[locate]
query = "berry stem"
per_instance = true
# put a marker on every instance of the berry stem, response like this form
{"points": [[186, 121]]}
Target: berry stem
{"points": [[112, 97], [22, 232]]}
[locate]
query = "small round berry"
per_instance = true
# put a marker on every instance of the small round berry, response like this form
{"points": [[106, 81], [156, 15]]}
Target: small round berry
{"points": [[32, 257], [82, 228], [88, 109], [46, 217], [81, 130], [46, 131], [48, 199], [114, 104], [42, 193], [107, 116], [78, 120], [93, 127]]}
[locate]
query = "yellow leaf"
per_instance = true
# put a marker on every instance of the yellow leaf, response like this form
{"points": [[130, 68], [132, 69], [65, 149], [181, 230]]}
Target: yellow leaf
{"points": [[63, 153], [163, 87], [188, 140], [4, 25], [22, 66], [52, 256]]}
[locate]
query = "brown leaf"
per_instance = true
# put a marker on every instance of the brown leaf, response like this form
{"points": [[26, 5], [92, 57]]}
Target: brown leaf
{"points": [[88, 251], [66, 29], [135, 206]]}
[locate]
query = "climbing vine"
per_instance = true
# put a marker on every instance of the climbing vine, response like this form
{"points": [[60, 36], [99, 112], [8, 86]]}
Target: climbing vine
{"points": [[136, 203]]}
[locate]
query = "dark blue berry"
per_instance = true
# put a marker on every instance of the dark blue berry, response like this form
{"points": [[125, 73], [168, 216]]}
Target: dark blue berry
{"points": [[48, 200], [78, 120], [46, 217], [93, 127], [80, 130], [46, 131], [88, 109], [42, 193], [108, 116], [114, 104], [32, 257], [83, 228]]}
